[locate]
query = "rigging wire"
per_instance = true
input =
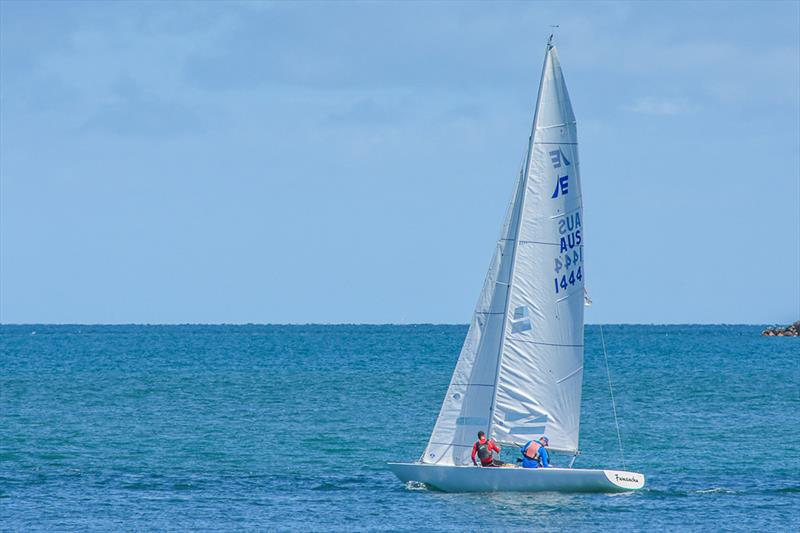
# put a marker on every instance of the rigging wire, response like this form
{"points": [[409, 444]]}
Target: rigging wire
{"points": [[613, 403]]}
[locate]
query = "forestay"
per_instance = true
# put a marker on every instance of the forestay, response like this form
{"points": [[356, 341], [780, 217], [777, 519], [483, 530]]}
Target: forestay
{"points": [[520, 371]]}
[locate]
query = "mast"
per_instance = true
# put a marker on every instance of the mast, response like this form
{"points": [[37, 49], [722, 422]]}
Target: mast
{"points": [[515, 246]]}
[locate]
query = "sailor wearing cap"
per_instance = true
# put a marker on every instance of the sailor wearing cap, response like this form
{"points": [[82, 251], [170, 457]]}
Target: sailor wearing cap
{"points": [[534, 454]]}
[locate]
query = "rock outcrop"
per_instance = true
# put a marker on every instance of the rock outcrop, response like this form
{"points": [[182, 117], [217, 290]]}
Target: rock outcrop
{"points": [[792, 330]]}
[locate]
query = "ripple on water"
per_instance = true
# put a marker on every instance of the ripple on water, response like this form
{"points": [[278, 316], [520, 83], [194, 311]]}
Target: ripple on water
{"points": [[261, 427]]}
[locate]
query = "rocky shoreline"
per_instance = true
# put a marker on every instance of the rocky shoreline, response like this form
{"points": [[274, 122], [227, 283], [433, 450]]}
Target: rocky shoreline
{"points": [[792, 330]]}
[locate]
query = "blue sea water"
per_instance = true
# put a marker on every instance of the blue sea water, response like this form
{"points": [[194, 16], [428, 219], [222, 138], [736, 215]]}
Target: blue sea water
{"points": [[288, 428]]}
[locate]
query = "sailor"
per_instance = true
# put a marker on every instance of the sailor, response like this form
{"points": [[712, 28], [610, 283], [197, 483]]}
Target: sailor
{"points": [[534, 454], [484, 448]]}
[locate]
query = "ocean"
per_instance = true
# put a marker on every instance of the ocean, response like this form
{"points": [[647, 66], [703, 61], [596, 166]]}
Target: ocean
{"points": [[288, 428]]}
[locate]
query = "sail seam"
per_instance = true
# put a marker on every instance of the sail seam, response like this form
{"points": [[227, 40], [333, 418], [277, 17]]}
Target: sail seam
{"points": [[554, 126], [541, 242], [548, 343], [533, 242]]}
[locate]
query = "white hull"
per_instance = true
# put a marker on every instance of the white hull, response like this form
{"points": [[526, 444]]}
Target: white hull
{"points": [[478, 479]]}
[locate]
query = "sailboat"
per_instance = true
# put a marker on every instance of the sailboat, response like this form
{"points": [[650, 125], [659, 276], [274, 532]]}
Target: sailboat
{"points": [[520, 371]]}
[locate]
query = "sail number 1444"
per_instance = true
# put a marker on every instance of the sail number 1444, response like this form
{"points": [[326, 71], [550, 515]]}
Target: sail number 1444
{"points": [[571, 263]]}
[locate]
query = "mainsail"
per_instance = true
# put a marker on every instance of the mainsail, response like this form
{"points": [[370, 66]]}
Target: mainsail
{"points": [[520, 371]]}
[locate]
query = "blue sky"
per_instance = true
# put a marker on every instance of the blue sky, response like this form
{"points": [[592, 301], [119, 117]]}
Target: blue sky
{"points": [[351, 162]]}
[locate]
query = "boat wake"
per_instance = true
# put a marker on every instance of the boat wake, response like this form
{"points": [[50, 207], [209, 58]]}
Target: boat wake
{"points": [[416, 485]]}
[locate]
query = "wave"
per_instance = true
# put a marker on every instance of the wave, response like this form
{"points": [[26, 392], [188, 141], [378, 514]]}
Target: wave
{"points": [[718, 490], [416, 485]]}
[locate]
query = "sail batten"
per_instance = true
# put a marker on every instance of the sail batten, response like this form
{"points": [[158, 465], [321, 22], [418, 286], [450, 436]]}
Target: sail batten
{"points": [[520, 370]]}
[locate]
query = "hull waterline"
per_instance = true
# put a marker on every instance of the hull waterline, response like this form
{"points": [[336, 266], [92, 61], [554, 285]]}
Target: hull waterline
{"points": [[477, 479]]}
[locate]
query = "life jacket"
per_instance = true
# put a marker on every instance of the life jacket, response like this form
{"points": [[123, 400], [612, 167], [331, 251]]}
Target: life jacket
{"points": [[532, 451], [484, 453]]}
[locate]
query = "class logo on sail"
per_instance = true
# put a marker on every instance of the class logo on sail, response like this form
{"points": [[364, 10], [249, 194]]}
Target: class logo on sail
{"points": [[558, 159]]}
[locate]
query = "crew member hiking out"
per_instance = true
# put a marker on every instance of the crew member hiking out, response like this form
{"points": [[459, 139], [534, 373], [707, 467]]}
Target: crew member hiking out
{"points": [[534, 454], [483, 448]]}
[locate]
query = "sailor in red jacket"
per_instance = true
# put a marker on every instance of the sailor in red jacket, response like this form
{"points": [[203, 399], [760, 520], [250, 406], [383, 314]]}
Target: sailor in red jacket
{"points": [[483, 448]]}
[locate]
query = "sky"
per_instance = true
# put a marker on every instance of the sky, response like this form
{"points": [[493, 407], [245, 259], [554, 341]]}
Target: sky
{"points": [[246, 162]]}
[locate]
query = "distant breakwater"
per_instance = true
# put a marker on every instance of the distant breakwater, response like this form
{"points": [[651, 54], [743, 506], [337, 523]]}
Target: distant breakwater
{"points": [[792, 330]]}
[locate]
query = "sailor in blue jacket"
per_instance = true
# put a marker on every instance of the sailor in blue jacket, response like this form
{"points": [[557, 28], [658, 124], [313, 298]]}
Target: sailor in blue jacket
{"points": [[534, 454]]}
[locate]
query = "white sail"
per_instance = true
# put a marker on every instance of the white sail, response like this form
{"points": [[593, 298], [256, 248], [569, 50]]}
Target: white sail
{"points": [[541, 366], [520, 370], [468, 402]]}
